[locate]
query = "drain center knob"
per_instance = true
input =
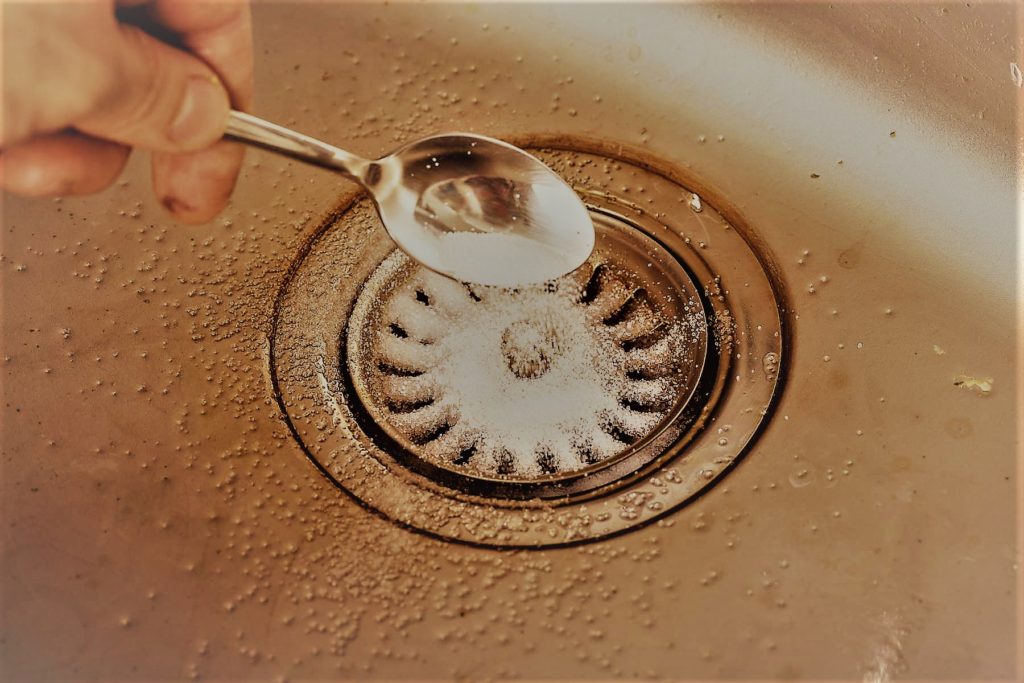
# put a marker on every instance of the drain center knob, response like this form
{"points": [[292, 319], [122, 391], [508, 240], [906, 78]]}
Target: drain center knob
{"points": [[529, 347]]}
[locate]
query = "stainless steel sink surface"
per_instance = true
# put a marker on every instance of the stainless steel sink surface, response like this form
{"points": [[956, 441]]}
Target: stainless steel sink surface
{"points": [[187, 492]]}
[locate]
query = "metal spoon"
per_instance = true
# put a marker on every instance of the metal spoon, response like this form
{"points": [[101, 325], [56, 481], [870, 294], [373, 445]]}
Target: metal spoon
{"points": [[470, 207]]}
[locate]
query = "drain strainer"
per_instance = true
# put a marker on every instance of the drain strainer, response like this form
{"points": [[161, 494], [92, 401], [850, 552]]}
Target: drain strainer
{"points": [[530, 392], [545, 415]]}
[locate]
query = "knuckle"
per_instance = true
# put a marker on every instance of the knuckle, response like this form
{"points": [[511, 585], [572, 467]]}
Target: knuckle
{"points": [[132, 86], [145, 77]]}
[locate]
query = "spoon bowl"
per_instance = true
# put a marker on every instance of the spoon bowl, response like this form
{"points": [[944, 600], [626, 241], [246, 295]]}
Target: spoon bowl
{"points": [[473, 208]]}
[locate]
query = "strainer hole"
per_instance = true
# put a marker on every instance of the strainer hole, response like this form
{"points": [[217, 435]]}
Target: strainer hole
{"points": [[505, 462], [465, 455], [619, 434], [623, 311], [644, 341], [411, 406], [593, 286], [638, 407], [433, 434], [587, 454], [390, 369], [546, 461]]}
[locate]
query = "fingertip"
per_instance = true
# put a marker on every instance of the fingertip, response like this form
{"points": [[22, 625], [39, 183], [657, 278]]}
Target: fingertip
{"points": [[184, 212], [195, 187]]}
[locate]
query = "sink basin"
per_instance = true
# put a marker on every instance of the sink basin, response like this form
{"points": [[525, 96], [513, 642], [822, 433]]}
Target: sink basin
{"points": [[161, 519]]}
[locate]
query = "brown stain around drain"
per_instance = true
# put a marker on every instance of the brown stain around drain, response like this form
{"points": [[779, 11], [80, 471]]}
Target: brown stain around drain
{"points": [[850, 257], [838, 379], [901, 463], [958, 427]]}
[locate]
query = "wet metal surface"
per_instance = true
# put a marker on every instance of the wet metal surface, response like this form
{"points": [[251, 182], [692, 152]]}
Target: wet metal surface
{"points": [[159, 519]]}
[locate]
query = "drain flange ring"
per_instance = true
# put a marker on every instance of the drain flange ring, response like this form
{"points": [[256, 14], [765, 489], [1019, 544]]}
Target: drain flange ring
{"points": [[697, 272]]}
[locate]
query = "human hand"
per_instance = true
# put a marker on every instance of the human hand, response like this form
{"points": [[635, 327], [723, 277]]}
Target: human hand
{"points": [[84, 82]]}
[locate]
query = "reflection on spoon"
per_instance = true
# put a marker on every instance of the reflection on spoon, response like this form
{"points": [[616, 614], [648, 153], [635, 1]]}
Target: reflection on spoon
{"points": [[473, 204], [467, 206]]}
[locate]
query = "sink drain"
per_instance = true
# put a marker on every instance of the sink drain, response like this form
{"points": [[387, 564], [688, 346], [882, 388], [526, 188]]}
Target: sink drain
{"points": [[531, 392], [544, 415]]}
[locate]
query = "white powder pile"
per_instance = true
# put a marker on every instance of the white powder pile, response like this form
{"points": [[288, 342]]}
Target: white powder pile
{"points": [[519, 382]]}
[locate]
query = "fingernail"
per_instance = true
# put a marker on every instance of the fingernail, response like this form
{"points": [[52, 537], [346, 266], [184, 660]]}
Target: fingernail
{"points": [[176, 206], [201, 118]]}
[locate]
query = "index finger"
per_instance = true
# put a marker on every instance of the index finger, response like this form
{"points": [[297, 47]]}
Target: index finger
{"points": [[220, 33], [196, 186]]}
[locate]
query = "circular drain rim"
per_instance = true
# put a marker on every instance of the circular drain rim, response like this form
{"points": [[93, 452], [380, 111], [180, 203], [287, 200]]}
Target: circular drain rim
{"points": [[322, 284], [673, 428]]}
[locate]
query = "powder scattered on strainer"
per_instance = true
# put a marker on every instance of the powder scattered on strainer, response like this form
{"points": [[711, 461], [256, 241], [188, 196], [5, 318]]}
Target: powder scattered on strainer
{"points": [[524, 382]]}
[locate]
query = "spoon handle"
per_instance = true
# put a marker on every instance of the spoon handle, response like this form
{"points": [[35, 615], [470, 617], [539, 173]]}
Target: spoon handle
{"points": [[255, 131]]}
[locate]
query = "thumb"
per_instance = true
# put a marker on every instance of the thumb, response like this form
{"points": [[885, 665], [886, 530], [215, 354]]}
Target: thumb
{"points": [[159, 98]]}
